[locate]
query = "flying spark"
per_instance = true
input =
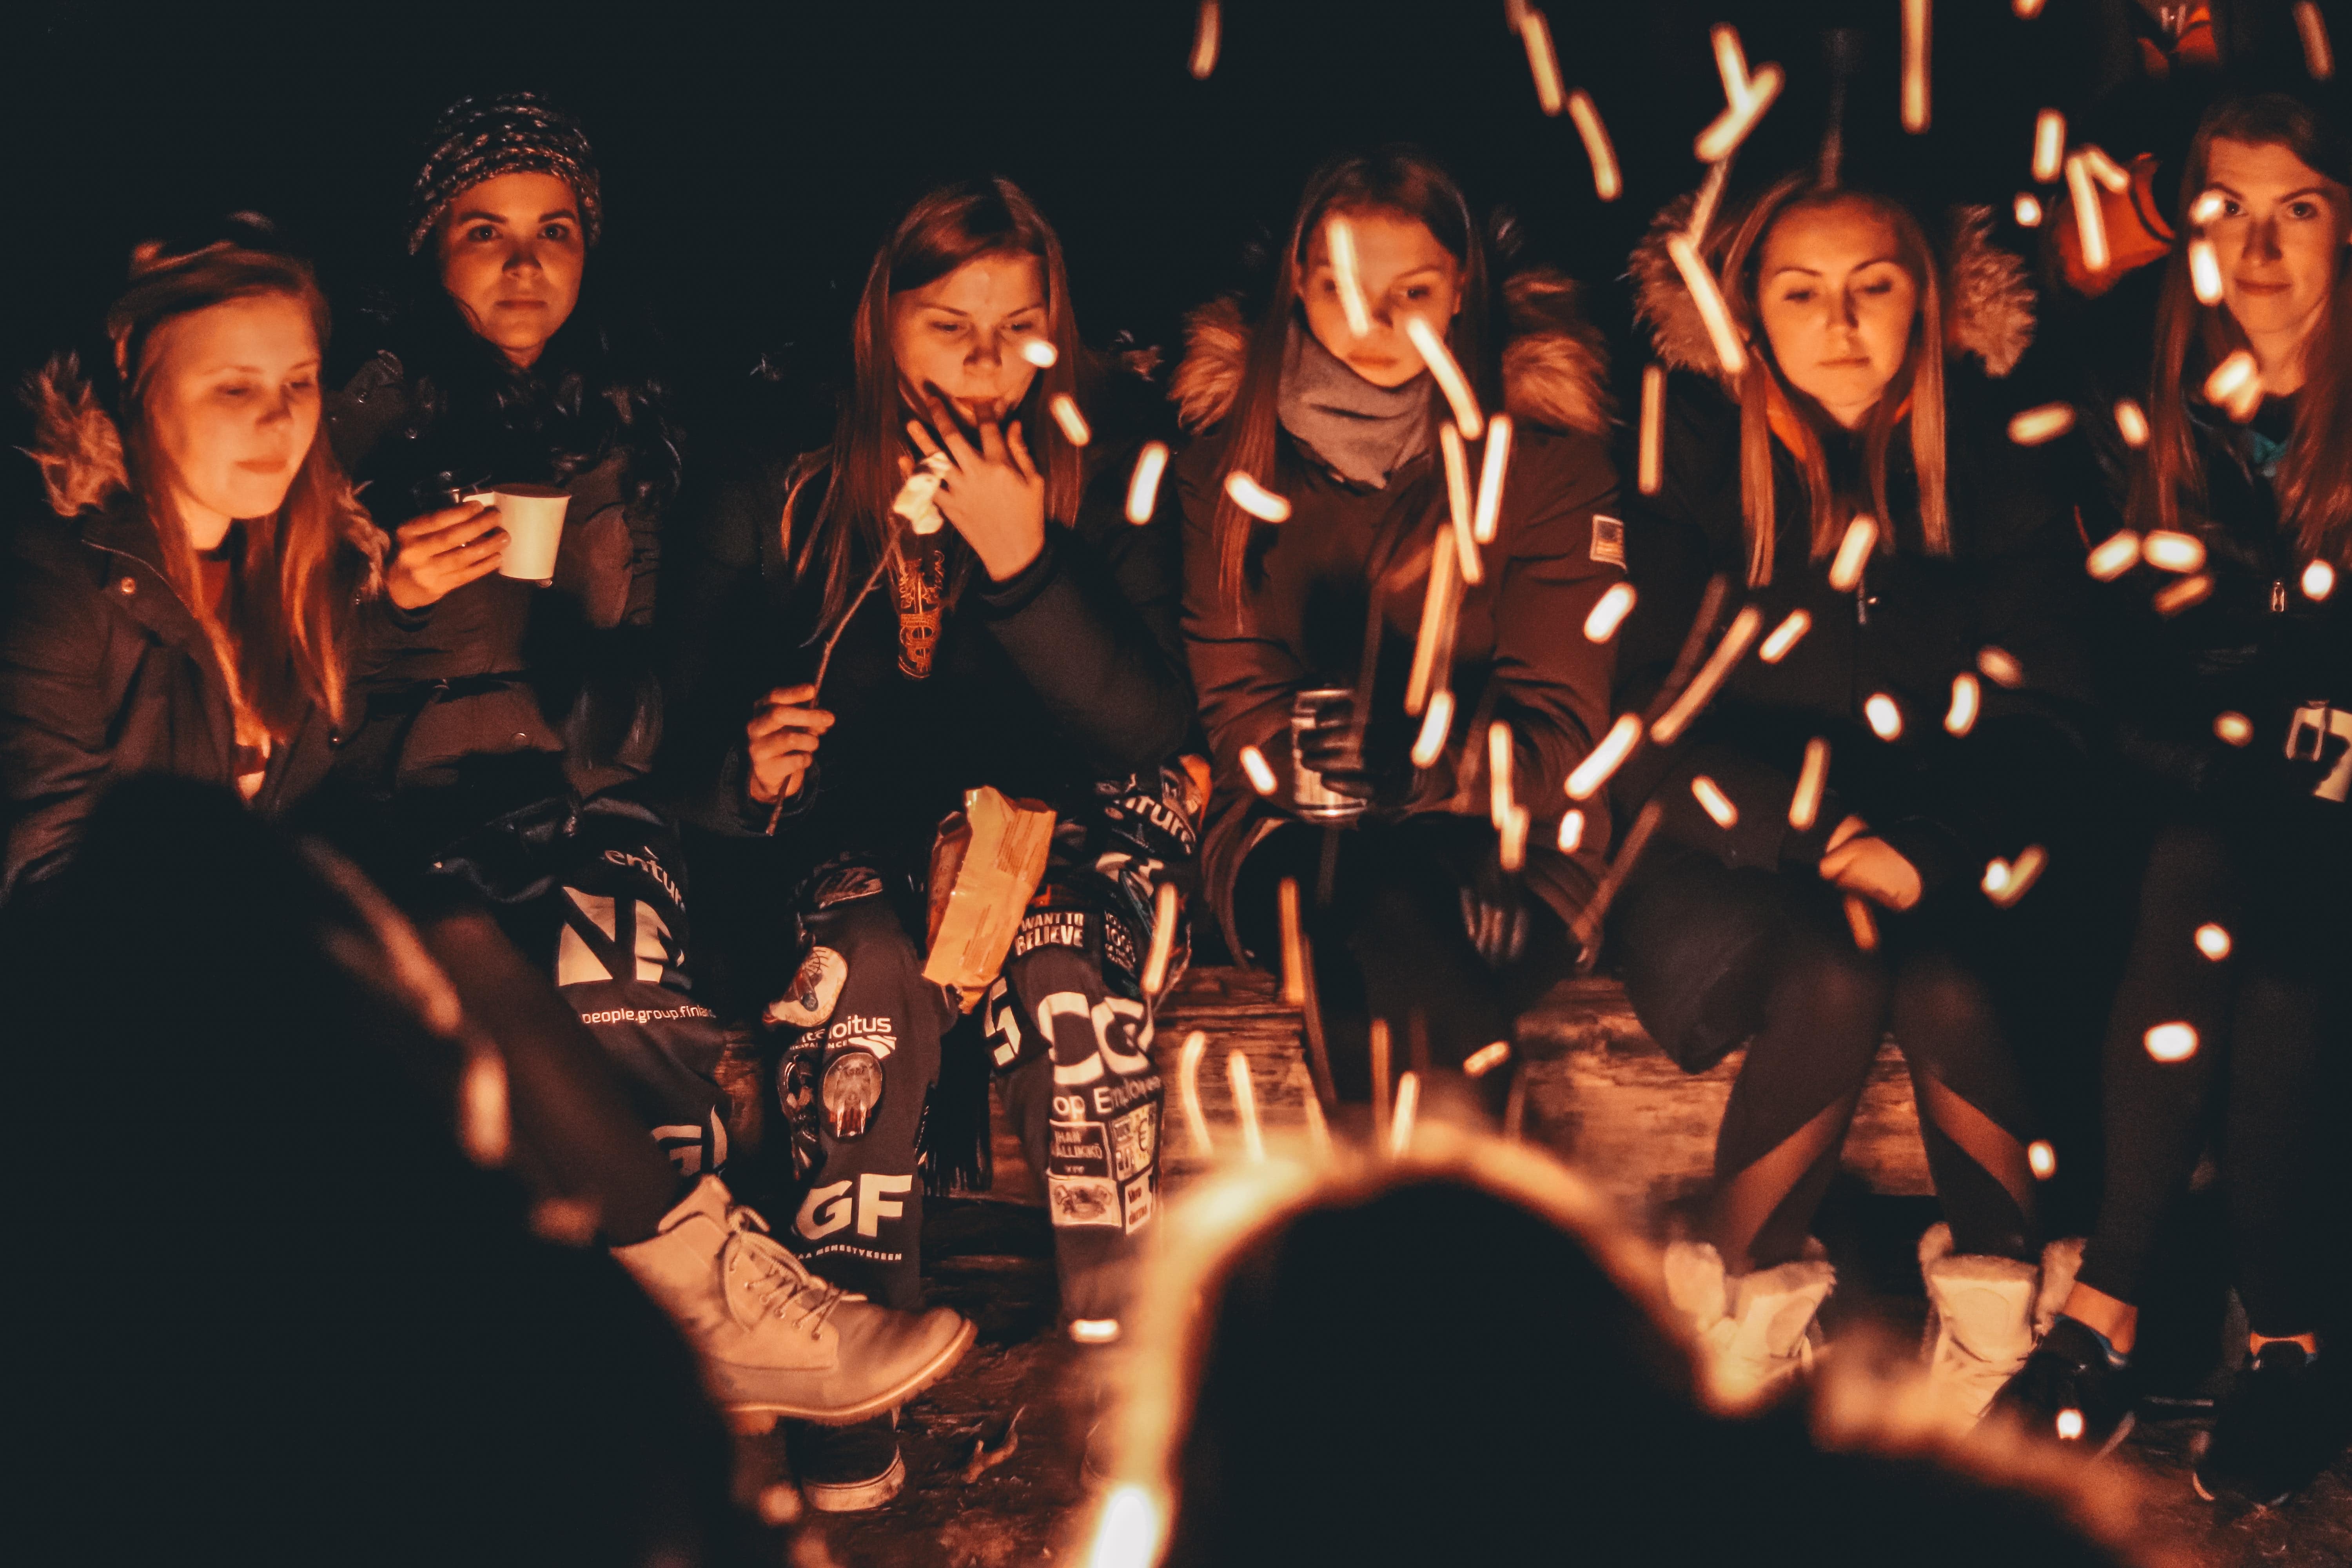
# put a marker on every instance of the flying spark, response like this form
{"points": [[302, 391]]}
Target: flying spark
{"points": [[2213, 941], [2090, 222], [2047, 423], [1862, 922], [2183, 594], [1495, 462], [1255, 498], [1886, 718], [2235, 729], [2070, 1425], [1065, 414], [1040, 353], [1498, 773], [1852, 553], [1237, 1077], [2042, 1159], [2049, 145], [1457, 498], [2319, 581], [2027, 209], [1611, 611], [1339, 241], [1650, 471], [1261, 773], [1434, 639], [1589, 774], [2016, 877], [2318, 58], [1916, 31], [1512, 852], [1188, 1089], [1805, 803], [1143, 489], [2112, 556], [1440, 361], [1727, 130], [1965, 697], [1436, 726], [1571, 832], [1736, 640], [1163, 939], [1999, 666], [2208, 206], [2204, 271], [2106, 170], [1536, 32], [1607, 183], [1714, 803], [1785, 635], [2170, 1042], [1408, 1102], [1205, 29], [2227, 386], [1728, 351], [1485, 1059], [2131, 422], [2170, 551]]}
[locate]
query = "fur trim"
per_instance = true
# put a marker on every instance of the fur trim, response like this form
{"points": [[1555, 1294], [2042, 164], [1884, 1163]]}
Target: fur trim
{"points": [[1555, 366], [75, 441], [1989, 304], [2061, 1260]]}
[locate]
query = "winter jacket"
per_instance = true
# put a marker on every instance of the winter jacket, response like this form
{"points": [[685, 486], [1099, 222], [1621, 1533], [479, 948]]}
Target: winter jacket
{"points": [[493, 667], [1068, 674], [1911, 627], [104, 669], [1519, 656]]}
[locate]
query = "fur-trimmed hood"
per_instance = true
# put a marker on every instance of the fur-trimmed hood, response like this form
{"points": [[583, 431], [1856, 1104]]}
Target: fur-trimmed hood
{"points": [[1555, 369], [1988, 296], [78, 449]]}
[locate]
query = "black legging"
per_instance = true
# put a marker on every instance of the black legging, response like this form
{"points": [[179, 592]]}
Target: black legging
{"points": [[2265, 1016], [1714, 957]]}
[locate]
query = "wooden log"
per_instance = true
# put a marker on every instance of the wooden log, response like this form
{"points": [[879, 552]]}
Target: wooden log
{"points": [[1240, 1010]]}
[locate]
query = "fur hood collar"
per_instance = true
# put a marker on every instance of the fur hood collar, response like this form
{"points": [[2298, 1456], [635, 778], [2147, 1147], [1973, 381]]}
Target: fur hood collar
{"points": [[1555, 369], [1988, 297], [78, 449]]}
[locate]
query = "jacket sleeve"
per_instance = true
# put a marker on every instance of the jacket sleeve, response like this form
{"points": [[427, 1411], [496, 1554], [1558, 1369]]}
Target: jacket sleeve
{"points": [[55, 710], [1245, 680], [1092, 625]]}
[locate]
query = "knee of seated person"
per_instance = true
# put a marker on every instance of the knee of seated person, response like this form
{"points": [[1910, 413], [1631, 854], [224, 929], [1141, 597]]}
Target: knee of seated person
{"points": [[1836, 981], [1936, 994]]}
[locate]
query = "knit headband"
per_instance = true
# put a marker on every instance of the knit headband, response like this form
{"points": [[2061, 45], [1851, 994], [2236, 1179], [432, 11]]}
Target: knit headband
{"points": [[478, 139]]}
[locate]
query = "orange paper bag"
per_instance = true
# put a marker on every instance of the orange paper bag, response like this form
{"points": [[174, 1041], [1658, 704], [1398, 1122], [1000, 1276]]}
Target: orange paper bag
{"points": [[985, 866]]}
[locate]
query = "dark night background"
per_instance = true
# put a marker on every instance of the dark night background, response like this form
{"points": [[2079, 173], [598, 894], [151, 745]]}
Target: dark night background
{"points": [[754, 155]]}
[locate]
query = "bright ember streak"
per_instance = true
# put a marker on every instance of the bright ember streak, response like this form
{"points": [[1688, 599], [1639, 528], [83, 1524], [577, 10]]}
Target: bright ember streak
{"points": [[1188, 1087], [1513, 852], [1495, 462], [1237, 1077], [1915, 30], [1535, 31], [1128, 1536], [1727, 130], [1340, 239], [1611, 612], [1730, 61], [2204, 271], [1439, 606], [1886, 718], [2027, 210], [2112, 556], [1407, 1102], [1714, 803], [1261, 773], [1966, 696], [1436, 726], [2106, 170], [2206, 208], [1607, 183], [1485, 1059], [1651, 470], [2183, 594], [1572, 833], [2049, 145], [1862, 922], [1163, 938], [1074, 424], [2070, 1425], [1805, 803], [2317, 57], [1498, 773], [2046, 423], [1457, 497], [1589, 774], [2234, 728], [2042, 1159], [1729, 353], [1143, 489], [2000, 667], [1440, 361], [2230, 378], [2131, 422], [2170, 552], [1256, 499], [2319, 581], [2026, 10], [1852, 553], [1785, 636], [1717, 668], [2090, 222], [2170, 1042], [2015, 878], [1205, 29], [1039, 352], [2213, 941]]}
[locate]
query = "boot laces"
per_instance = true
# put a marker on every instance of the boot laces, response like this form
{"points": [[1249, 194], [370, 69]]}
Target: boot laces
{"points": [[776, 1281]]}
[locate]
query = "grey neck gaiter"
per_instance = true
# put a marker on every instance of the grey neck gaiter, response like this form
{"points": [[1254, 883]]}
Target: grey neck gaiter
{"points": [[1364, 433]]}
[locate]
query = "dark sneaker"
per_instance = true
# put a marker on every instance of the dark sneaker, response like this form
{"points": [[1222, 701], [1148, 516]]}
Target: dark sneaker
{"points": [[848, 1470], [2069, 1391], [2278, 1426]]}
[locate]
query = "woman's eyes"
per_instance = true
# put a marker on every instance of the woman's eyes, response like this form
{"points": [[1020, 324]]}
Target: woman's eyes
{"points": [[2305, 210], [556, 231], [481, 233], [1796, 296]]}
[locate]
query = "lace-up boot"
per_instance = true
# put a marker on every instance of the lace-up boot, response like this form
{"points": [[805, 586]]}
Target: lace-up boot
{"points": [[775, 1340]]}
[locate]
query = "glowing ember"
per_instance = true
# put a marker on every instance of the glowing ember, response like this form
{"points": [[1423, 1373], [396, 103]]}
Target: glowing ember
{"points": [[1651, 470], [1805, 803], [2234, 728], [2131, 422], [1439, 606], [1736, 640], [1999, 666], [2026, 9], [2015, 878], [1610, 613], [1188, 1090], [2317, 57], [1440, 361], [1594, 772], [779, 1505], [1607, 183], [1852, 553], [2106, 170], [2170, 1042], [2319, 581], [2046, 423], [1407, 1102], [1536, 32], [1498, 773], [1485, 1059], [2070, 1425], [1862, 922], [1129, 1535], [1339, 241], [1095, 1330], [1495, 462], [2183, 594], [1996, 878], [1512, 852], [2228, 383], [2027, 209], [2112, 556], [1886, 718], [1915, 30], [1256, 499], [1785, 636], [2208, 206], [1966, 696], [2169, 550], [1436, 726], [485, 1120], [1572, 833], [1143, 488], [1039, 352], [1726, 131], [2049, 145], [1065, 414], [1457, 498], [1714, 803], [1205, 29], [2090, 222], [2205, 271], [2042, 1159], [1729, 353], [1730, 61], [1163, 938], [2213, 941], [1260, 772], [1237, 1077]]}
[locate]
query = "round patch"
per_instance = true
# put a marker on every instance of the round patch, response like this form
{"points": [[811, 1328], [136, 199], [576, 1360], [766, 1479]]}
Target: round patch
{"points": [[814, 991], [853, 1087]]}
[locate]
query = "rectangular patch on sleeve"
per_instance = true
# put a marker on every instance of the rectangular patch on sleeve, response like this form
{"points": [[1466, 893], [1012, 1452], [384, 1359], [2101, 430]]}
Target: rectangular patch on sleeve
{"points": [[1609, 540]]}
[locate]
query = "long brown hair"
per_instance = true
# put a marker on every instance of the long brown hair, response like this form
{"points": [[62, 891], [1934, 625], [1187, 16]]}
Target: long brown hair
{"points": [[287, 648], [853, 529], [1402, 180], [1767, 408], [2314, 481]]}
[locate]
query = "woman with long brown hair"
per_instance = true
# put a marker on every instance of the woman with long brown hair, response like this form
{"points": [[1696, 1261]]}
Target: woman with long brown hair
{"points": [[948, 596], [1843, 523], [2236, 728], [196, 602]]}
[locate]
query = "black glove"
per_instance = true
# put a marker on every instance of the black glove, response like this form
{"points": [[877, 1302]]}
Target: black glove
{"points": [[1334, 749], [1494, 910]]}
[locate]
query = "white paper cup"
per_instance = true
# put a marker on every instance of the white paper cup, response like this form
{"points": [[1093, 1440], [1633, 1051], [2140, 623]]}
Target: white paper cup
{"points": [[532, 516]]}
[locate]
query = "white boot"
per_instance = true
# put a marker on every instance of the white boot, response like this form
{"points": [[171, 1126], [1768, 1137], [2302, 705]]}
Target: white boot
{"points": [[1985, 1315], [774, 1340], [1755, 1331]]}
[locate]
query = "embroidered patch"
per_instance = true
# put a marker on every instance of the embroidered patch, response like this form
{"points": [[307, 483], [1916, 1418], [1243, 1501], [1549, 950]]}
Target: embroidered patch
{"points": [[1608, 538]]}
